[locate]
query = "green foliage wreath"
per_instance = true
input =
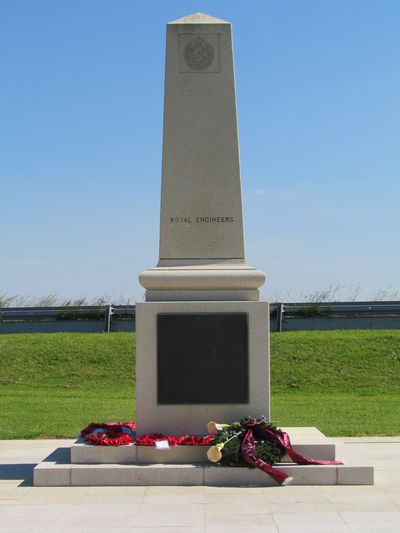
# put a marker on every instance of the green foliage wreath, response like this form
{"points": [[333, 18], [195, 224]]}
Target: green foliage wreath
{"points": [[233, 435]]}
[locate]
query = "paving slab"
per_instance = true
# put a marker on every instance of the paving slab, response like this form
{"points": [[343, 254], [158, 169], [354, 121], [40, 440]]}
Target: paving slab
{"points": [[199, 509]]}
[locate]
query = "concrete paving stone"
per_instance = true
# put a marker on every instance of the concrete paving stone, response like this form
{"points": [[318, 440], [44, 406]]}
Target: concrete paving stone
{"points": [[36, 516], [381, 439], [118, 499], [372, 521], [294, 494], [31, 529], [308, 431], [235, 499], [366, 494], [135, 529], [54, 495], [367, 507], [394, 497], [115, 490], [237, 490], [234, 508], [163, 515], [8, 502], [236, 520], [12, 492], [104, 515], [387, 481], [242, 529], [174, 498], [302, 507], [325, 522], [340, 440], [35, 443], [171, 490]]}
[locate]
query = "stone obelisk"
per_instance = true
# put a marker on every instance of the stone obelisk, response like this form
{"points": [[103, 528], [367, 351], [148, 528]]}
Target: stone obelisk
{"points": [[202, 334]]}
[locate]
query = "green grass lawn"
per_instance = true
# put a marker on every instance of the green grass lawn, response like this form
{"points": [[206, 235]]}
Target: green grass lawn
{"points": [[343, 382]]}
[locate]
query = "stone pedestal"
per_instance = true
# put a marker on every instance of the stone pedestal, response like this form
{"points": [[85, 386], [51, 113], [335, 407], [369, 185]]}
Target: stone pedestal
{"points": [[202, 334], [210, 363], [188, 465]]}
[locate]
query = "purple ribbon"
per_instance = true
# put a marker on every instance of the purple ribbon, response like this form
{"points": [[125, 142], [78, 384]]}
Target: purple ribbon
{"points": [[281, 438]]}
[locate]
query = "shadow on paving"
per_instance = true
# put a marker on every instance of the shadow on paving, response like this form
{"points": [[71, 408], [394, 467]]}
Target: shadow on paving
{"points": [[24, 471]]}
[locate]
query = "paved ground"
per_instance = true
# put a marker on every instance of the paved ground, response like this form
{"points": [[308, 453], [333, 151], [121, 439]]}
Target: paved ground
{"points": [[24, 508]]}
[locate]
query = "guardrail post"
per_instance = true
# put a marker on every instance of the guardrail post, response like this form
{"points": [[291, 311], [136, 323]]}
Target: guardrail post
{"points": [[108, 314], [279, 316]]}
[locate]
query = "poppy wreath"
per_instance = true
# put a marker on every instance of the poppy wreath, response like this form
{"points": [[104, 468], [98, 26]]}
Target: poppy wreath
{"points": [[124, 433], [184, 440], [109, 433]]}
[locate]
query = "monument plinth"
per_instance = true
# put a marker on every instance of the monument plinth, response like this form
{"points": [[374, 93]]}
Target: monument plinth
{"points": [[202, 334]]}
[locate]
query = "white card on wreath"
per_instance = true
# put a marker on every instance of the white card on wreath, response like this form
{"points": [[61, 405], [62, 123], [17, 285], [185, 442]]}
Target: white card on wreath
{"points": [[162, 445]]}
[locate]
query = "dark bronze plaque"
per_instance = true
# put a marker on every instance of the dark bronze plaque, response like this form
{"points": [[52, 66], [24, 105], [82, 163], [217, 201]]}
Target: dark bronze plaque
{"points": [[202, 358]]}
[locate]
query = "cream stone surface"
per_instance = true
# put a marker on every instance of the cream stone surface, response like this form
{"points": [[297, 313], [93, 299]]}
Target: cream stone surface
{"points": [[56, 470], [202, 278], [184, 419], [357, 475], [203, 282], [201, 222], [199, 18], [82, 453], [191, 474], [187, 295], [302, 475], [175, 454], [51, 474], [316, 451], [201, 211], [92, 475]]}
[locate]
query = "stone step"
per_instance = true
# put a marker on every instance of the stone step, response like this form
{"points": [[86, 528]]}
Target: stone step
{"points": [[52, 473], [82, 453]]}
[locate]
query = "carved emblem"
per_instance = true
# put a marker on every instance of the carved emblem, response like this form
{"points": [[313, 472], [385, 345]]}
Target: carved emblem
{"points": [[198, 54]]}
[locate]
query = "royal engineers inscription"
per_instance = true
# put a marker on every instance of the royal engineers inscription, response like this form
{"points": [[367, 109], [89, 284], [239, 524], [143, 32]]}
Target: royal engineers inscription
{"points": [[200, 220]]}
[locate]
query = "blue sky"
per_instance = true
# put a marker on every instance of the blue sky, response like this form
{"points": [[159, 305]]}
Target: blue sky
{"points": [[81, 98]]}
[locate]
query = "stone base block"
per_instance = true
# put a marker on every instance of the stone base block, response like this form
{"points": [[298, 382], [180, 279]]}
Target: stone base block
{"points": [[157, 413], [53, 474], [187, 465], [82, 453]]}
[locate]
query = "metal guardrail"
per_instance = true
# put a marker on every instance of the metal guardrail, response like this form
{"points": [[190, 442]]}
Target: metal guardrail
{"points": [[283, 317], [338, 315], [85, 318]]}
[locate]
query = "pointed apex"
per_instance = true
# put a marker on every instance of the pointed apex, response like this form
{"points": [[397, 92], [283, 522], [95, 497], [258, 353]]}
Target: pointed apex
{"points": [[199, 18]]}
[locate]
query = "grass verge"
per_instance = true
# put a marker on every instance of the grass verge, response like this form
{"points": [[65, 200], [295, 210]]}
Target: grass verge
{"points": [[343, 382]]}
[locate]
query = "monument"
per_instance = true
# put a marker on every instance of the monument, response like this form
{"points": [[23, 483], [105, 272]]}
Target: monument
{"points": [[202, 333]]}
